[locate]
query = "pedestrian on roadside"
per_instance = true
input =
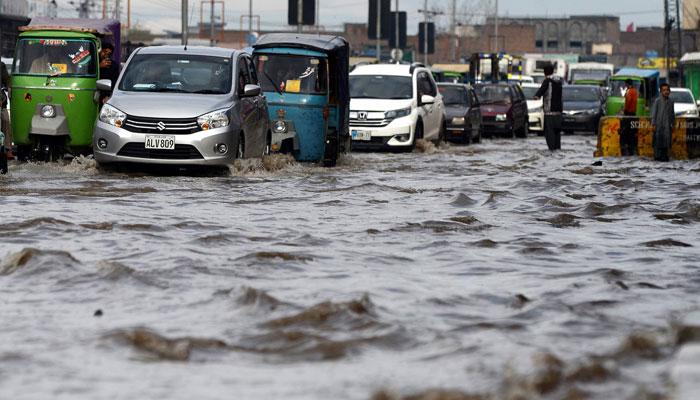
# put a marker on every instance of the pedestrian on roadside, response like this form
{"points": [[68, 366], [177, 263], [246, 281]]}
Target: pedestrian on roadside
{"points": [[628, 140], [4, 113], [663, 120], [550, 92]]}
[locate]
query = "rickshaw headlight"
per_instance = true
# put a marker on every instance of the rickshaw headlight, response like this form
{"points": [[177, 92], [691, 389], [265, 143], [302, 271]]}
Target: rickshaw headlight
{"points": [[280, 127], [213, 120], [48, 111], [112, 116]]}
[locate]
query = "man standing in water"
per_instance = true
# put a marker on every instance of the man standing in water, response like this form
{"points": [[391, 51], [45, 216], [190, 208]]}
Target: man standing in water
{"points": [[662, 122], [550, 91]]}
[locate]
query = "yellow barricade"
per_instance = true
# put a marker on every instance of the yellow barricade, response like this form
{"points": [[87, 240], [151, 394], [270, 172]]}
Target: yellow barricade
{"points": [[615, 132]]}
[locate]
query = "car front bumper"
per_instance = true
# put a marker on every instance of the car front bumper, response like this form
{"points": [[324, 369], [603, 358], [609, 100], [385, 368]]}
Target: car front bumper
{"points": [[536, 121], [198, 148], [386, 136], [580, 122]]}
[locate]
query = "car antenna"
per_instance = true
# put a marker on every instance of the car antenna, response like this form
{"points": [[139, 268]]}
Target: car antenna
{"points": [[187, 29]]}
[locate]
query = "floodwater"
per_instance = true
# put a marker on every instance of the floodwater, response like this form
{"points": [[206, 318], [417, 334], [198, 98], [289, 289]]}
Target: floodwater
{"points": [[493, 271]]}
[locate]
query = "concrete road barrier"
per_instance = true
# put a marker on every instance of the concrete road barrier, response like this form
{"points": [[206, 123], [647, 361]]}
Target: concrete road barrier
{"points": [[685, 141]]}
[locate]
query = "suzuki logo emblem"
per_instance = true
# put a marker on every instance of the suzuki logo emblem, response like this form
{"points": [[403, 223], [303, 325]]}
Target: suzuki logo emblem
{"points": [[362, 115], [160, 126]]}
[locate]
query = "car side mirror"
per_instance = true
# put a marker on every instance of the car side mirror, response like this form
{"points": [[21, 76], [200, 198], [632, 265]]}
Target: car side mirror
{"points": [[251, 90], [427, 99], [697, 103], [104, 84]]}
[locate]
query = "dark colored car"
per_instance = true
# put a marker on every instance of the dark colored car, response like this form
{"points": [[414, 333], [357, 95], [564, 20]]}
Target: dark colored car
{"points": [[503, 109], [462, 113], [583, 107]]}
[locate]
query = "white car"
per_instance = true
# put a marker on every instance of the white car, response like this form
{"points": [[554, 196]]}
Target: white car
{"points": [[534, 107], [394, 105], [684, 102]]}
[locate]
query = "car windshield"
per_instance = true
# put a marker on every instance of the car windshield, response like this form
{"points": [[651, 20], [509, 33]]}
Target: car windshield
{"points": [[589, 74], [618, 88], [291, 73], [184, 73], [64, 57], [577, 93], [454, 95], [380, 87], [493, 94], [529, 92], [681, 97]]}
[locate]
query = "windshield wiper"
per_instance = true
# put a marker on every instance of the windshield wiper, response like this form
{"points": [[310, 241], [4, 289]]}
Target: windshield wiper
{"points": [[273, 83]]}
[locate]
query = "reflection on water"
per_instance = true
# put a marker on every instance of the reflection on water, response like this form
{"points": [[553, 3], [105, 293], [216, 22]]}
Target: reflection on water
{"points": [[492, 271]]}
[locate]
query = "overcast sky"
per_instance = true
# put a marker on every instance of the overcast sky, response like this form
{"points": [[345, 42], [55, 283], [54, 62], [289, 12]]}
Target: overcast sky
{"points": [[158, 15]]}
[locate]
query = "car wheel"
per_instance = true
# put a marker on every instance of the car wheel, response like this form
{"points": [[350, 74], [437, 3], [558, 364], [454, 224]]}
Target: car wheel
{"points": [[268, 145], [467, 138], [3, 161], [442, 134], [511, 134], [418, 135], [477, 139], [240, 150]]}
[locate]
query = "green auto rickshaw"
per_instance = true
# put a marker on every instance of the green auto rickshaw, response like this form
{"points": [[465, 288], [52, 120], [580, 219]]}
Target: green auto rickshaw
{"points": [[54, 98], [646, 81]]}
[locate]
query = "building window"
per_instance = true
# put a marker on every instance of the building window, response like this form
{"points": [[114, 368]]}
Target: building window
{"points": [[574, 44], [552, 43], [538, 43]]}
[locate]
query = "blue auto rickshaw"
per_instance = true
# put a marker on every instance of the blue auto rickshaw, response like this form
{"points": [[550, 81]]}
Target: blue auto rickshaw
{"points": [[305, 80]]}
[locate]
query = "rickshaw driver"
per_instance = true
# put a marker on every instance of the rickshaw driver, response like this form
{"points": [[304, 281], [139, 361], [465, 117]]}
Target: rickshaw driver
{"points": [[46, 63]]}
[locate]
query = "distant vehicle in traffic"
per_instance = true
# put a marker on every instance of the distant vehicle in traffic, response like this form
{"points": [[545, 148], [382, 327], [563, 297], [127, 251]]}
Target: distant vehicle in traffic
{"points": [[590, 73], [199, 106], [462, 111], [645, 81], [503, 109], [394, 105], [684, 104], [583, 108], [535, 109]]}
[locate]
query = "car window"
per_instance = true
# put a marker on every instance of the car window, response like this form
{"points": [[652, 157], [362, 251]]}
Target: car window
{"points": [[251, 70], [454, 95], [681, 97], [380, 87], [243, 75], [493, 94], [426, 85]]}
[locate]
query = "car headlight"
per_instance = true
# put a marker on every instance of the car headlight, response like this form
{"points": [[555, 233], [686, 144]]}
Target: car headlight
{"points": [[393, 114], [501, 117], [213, 120], [590, 112], [48, 111], [536, 109], [280, 127], [458, 121], [112, 116], [691, 112]]}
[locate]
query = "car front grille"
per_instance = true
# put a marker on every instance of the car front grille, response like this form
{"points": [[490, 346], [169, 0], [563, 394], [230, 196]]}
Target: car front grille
{"points": [[171, 126], [375, 123], [181, 152]]}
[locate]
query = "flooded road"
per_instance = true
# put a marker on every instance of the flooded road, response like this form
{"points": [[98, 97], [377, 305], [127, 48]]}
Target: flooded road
{"points": [[491, 271]]}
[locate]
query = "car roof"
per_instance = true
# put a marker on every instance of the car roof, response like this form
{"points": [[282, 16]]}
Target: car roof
{"points": [[384, 69], [680, 89], [454, 84], [195, 50]]}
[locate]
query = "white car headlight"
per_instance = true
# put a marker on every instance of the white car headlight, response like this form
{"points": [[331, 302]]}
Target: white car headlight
{"points": [[691, 112], [501, 117], [213, 120], [393, 114], [112, 116], [590, 112], [458, 121], [536, 109]]}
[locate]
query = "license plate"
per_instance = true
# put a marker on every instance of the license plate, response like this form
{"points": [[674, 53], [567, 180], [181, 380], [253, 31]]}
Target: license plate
{"points": [[361, 135], [163, 142]]}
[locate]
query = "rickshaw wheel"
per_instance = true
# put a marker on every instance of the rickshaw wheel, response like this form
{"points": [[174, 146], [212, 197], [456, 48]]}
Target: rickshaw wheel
{"points": [[48, 148], [330, 157], [23, 153], [240, 150]]}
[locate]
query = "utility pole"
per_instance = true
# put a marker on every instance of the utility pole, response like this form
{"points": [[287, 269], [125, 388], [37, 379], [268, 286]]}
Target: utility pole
{"points": [[300, 12], [250, 20], [212, 42], [397, 42], [379, 30], [117, 11], [184, 22], [425, 32], [496, 30], [452, 31]]}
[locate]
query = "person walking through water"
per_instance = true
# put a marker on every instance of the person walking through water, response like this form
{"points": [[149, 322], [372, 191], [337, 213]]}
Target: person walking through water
{"points": [[662, 122], [550, 92], [628, 140]]}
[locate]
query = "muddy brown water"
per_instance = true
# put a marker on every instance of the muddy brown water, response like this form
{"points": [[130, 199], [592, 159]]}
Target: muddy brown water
{"points": [[491, 271]]}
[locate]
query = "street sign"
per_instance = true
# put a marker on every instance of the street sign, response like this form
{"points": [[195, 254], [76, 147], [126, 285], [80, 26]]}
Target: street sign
{"points": [[431, 37]]}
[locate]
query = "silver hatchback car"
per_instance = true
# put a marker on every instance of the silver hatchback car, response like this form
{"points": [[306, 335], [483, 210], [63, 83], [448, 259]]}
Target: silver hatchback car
{"points": [[183, 106]]}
